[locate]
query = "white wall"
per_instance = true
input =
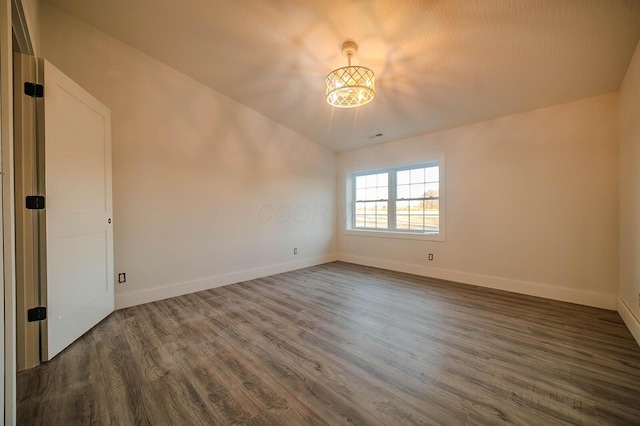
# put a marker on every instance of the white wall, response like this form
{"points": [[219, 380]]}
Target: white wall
{"points": [[532, 203], [206, 191], [628, 304]]}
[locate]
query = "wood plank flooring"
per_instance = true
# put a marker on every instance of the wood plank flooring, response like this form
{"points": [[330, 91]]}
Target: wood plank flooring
{"points": [[343, 344]]}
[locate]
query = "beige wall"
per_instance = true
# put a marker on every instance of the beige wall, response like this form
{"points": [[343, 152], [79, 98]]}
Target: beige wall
{"points": [[206, 191], [531, 203], [628, 305]]}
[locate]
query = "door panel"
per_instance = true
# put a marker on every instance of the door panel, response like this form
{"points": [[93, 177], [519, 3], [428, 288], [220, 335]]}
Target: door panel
{"points": [[79, 233]]}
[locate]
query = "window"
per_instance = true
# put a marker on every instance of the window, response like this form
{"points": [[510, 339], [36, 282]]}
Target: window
{"points": [[399, 200]]}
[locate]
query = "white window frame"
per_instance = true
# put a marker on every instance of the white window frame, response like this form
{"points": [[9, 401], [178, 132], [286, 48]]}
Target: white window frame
{"points": [[393, 233]]}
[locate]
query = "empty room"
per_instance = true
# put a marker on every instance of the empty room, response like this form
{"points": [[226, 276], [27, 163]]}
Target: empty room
{"points": [[292, 212]]}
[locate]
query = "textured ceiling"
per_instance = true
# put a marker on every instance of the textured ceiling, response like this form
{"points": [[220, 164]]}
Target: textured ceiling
{"points": [[438, 64]]}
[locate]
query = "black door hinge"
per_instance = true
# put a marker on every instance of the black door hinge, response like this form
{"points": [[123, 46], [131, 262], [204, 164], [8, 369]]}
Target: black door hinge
{"points": [[37, 314], [34, 202], [34, 90]]}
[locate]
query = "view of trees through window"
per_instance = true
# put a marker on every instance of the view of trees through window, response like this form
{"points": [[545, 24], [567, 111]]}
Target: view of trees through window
{"points": [[400, 199]]}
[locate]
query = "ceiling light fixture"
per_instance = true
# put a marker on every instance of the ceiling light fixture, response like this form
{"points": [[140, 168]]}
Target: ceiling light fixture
{"points": [[350, 86]]}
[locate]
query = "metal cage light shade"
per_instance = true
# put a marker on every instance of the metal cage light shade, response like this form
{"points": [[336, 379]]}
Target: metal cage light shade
{"points": [[350, 86]]}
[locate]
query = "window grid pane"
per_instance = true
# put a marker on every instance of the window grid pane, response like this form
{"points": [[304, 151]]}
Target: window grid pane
{"points": [[371, 203], [415, 207], [418, 205]]}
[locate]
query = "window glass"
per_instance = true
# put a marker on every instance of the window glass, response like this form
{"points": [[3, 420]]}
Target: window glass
{"points": [[403, 199]]}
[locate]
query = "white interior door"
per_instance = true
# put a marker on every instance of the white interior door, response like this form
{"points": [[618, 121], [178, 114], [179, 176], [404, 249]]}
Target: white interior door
{"points": [[78, 211]]}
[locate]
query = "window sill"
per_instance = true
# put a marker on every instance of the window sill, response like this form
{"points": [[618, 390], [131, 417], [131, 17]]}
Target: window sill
{"points": [[395, 234]]}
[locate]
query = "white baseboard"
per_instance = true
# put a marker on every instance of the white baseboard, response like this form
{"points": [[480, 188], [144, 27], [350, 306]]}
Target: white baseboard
{"points": [[596, 299], [632, 322], [581, 297], [125, 300]]}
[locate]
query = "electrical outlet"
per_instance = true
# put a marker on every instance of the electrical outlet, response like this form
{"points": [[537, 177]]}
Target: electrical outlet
{"points": [[295, 251], [430, 256], [122, 278]]}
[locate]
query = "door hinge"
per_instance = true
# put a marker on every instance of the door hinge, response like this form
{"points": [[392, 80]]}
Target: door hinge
{"points": [[35, 202], [37, 314], [34, 90]]}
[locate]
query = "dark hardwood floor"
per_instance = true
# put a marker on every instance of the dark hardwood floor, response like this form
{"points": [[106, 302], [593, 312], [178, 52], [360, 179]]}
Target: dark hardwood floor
{"points": [[343, 344]]}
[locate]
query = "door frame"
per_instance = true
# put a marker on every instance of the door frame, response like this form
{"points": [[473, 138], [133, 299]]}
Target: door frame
{"points": [[28, 350], [13, 20]]}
